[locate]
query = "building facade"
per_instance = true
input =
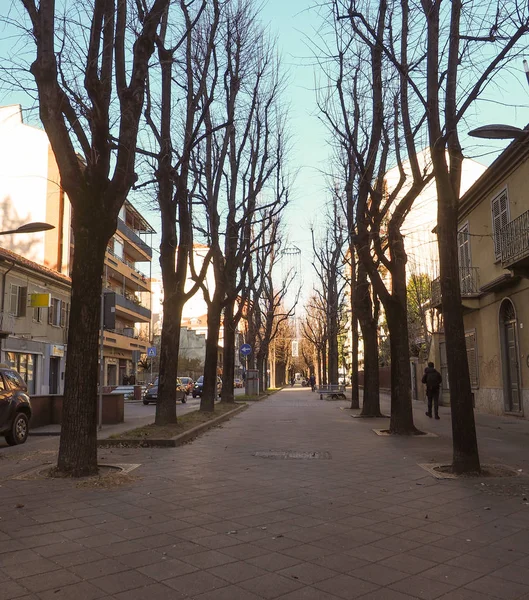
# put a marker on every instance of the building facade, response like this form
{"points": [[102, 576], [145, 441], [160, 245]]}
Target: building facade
{"points": [[34, 339], [30, 190], [494, 269]]}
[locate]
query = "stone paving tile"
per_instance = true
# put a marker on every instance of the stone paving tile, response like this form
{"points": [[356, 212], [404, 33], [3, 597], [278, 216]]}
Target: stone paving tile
{"points": [[465, 594], [78, 558], [196, 583], [122, 582], [12, 589], [232, 592], [98, 568], [141, 559], [379, 574], [78, 591], [155, 591], [208, 559], [497, 587], [165, 569], [270, 585], [49, 580], [452, 575], [346, 586], [307, 573], [421, 587], [237, 571], [28, 569], [309, 593], [387, 594], [245, 551]]}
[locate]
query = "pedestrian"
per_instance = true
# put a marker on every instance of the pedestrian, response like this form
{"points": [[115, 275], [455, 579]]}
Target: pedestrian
{"points": [[292, 381], [432, 378], [312, 381]]}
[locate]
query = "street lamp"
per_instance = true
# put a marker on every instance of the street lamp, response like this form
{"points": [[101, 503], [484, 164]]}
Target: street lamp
{"points": [[498, 132], [29, 228]]}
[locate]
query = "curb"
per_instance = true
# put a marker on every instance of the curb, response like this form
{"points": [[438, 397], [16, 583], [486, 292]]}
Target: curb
{"points": [[170, 442]]}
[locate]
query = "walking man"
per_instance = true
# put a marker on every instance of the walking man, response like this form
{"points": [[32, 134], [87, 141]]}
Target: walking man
{"points": [[432, 378]]}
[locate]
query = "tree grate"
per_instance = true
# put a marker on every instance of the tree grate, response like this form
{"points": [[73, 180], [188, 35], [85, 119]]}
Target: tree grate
{"points": [[293, 455]]}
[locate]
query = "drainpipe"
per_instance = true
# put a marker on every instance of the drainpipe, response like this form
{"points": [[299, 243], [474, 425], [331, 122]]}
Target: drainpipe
{"points": [[4, 277]]}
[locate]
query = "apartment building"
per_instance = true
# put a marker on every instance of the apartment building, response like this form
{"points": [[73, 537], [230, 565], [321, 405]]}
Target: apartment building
{"points": [[494, 271], [33, 338], [30, 190]]}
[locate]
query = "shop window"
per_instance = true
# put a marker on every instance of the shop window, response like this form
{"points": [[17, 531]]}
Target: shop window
{"points": [[26, 365], [19, 298]]}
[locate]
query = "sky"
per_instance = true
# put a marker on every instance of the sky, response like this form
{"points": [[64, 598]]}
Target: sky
{"points": [[295, 25]]}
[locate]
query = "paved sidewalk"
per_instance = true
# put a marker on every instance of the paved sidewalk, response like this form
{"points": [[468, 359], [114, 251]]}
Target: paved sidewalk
{"points": [[348, 515]]}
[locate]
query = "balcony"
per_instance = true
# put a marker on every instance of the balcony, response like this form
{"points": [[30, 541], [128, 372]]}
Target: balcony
{"points": [[469, 284], [515, 245], [135, 239], [121, 339], [127, 269], [7, 324], [140, 313]]}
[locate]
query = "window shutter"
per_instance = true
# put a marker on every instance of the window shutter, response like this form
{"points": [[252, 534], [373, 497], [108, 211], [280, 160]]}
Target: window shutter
{"points": [[13, 303], [22, 301], [500, 218], [472, 357], [63, 313], [50, 311]]}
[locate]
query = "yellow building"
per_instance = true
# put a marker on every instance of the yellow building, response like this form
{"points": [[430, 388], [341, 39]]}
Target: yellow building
{"points": [[494, 271]]}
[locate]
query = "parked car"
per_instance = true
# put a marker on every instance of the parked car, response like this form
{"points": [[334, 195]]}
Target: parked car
{"points": [[126, 390], [151, 395], [238, 383], [15, 407], [188, 383], [199, 385]]}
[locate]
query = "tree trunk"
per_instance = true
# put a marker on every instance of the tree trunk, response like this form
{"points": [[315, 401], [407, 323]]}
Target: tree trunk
{"points": [[324, 364], [78, 443], [209, 390], [464, 439], [169, 350], [333, 342], [401, 406], [228, 363], [355, 390], [364, 307]]}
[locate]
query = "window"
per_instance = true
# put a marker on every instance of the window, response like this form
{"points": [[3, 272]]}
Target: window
{"points": [[37, 314], [500, 218], [465, 269], [19, 300], [472, 357], [58, 313]]}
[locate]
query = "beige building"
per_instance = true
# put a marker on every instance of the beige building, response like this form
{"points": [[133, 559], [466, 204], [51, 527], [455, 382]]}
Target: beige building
{"points": [[33, 340], [30, 190], [494, 271]]}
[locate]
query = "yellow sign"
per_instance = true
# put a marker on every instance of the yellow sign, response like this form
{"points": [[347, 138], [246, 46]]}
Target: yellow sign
{"points": [[40, 300], [56, 350]]}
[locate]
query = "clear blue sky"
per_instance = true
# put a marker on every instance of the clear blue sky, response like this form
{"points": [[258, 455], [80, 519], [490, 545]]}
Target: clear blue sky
{"points": [[294, 23]]}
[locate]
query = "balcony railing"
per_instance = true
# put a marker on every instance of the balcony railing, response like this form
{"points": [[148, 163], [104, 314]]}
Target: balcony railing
{"points": [[129, 264], [468, 281], [7, 322], [515, 240], [132, 306], [132, 235]]}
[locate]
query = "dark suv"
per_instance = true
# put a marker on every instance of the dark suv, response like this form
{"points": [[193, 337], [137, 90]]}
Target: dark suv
{"points": [[199, 385], [15, 407]]}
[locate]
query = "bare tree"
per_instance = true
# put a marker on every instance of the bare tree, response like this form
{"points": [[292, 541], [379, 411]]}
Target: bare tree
{"points": [[90, 70], [371, 136], [236, 168], [185, 56], [329, 266]]}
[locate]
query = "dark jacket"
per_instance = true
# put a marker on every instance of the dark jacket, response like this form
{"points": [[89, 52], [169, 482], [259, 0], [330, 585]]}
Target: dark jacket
{"points": [[432, 378]]}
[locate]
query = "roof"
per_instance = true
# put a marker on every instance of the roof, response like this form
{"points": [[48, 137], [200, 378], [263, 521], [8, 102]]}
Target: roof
{"points": [[7, 255], [516, 153]]}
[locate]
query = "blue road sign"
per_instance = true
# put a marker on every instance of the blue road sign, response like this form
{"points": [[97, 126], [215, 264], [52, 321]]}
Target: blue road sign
{"points": [[151, 352], [246, 349]]}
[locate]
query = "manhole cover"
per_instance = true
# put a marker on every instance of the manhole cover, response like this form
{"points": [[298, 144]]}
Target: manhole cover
{"points": [[293, 454]]}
